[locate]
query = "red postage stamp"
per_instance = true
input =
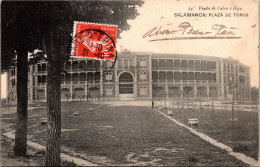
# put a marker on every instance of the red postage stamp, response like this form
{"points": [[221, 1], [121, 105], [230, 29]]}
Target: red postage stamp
{"points": [[96, 41]]}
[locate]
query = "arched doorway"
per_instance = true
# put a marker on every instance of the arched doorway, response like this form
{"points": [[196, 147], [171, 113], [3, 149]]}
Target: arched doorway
{"points": [[65, 93], [79, 93], [94, 92], [126, 86]]}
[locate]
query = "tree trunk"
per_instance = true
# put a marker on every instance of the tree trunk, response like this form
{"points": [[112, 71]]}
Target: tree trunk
{"points": [[52, 156], [20, 147]]}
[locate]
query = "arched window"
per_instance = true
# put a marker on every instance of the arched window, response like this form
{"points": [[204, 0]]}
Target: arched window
{"points": [[203, 65], [176, 64], [209, 65], [126, 77], [202, 91], [177, 76], [191, 64], [197, 76], [183, 64], [232, 67], [131, 63], [209, 76], [191, 76], [162, 64], [197, 65], [82, 65], [67, 65], [68, 77], [173, 91], [155, 76], [203, 76], [169, 64], [82, 76], [169, 76], [120, 63], [213, 92], [96, 65], [125, 63], [155, 64], [184, 76], [75, 65], [90, 77], [214, 66], [90, 64], [162, 76], [75, 77], [97, 77]]}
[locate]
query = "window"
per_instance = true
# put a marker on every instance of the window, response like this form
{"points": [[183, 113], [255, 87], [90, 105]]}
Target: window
{"points": [[197, 76], [184, 76], [191, 64], [39, 79], [39, 67], [131, 63], [241, 69], [125, 63], [214, 65], [109, 63], [13, 82], [203, 65], [109, 76], [162, 64], [197, 65], [176, 65], [184, 64], [191, 76], [209, 76], [162, 76], [169, 64], [169, 76], [143, 76], [203, 76], [214, 77], [120, 65], [177, 76], [109, 91], [155, 64], [143, 62], [155, 76], [143, 90], [209, 66], [44, 79]]}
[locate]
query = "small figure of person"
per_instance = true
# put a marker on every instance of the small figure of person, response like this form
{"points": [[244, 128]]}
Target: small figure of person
{"points": [[152, 104]]}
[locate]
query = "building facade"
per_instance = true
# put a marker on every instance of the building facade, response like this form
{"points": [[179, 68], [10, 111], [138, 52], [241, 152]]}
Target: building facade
{"points": [[143, 76]]}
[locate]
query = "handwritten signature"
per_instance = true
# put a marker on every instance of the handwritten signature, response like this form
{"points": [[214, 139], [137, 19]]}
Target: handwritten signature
{"points": [[187, 31]]}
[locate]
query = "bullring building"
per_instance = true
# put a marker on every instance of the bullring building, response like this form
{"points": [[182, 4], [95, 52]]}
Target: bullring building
{"points": [[143, 76]]}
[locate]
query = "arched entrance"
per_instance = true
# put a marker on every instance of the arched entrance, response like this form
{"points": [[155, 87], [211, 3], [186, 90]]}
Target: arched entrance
{"points": [[94, 92], [126, 86]]}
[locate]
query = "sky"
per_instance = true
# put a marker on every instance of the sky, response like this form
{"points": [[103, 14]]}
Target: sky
{"points": [[163, 13]]}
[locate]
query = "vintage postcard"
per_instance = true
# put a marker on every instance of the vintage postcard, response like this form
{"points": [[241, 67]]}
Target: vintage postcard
{"points": [[130, 83]]}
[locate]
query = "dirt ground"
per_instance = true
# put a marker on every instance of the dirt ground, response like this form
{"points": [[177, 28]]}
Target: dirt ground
{"points": [[33, 158]]}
